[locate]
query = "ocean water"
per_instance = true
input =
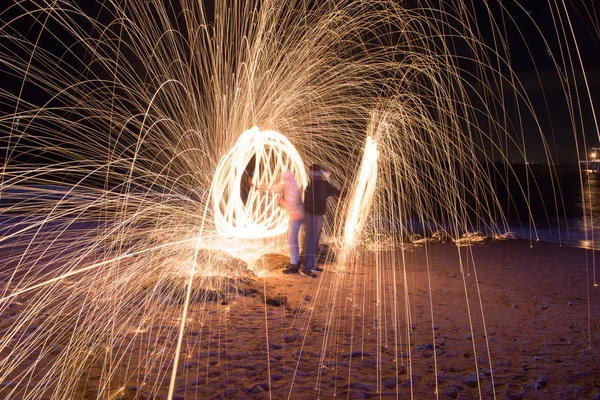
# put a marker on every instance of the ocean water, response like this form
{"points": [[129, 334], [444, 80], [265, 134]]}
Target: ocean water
{"points": [[559, 204]]}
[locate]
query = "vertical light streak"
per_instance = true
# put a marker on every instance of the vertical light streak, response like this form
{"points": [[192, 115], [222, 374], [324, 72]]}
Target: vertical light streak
{"points": [[362, 193]]}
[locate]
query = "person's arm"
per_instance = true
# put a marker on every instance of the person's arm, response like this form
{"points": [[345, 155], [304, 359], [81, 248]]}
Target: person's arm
{"points": [[274, 187], [281, 198], [333, 191]]}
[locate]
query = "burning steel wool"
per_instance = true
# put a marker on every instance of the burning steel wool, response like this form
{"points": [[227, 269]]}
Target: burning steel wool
{"points": [[255, 214]]}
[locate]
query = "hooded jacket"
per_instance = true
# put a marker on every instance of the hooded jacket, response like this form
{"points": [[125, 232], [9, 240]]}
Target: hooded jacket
{"points": [[291, 199], [317, 192]]}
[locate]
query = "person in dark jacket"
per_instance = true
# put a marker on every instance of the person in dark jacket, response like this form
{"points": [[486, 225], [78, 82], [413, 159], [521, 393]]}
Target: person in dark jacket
{"points": [[315, 206]]}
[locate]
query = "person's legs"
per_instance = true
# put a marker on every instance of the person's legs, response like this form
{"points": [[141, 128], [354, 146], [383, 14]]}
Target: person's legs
{"points": [[318, 230], [309, 242], [295, 225]]}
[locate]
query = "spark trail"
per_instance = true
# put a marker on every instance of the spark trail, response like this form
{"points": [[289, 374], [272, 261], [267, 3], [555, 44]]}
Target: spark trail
{"points": [[128, 130]]}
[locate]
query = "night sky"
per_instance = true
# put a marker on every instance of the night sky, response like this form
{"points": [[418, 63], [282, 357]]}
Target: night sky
{"points": [[534, 62], [531, 59]]}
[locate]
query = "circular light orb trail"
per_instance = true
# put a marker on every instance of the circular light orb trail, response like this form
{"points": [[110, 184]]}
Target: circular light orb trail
{"points": [[250, 209], [362, 195]]}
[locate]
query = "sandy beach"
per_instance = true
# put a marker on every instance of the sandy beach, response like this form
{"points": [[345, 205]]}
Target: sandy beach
{"points": [[520, 325], [495, 320]]}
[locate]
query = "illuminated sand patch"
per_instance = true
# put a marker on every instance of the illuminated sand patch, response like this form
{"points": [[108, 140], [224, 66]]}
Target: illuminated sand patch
{"points": [[218, 277]]}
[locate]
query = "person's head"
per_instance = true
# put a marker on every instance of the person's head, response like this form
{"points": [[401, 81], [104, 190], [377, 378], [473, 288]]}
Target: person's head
{"points": [[288, 176], [319, 172]]}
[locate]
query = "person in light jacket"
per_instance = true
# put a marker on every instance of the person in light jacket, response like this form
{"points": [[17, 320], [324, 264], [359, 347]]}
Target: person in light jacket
{"points": [[291, 199]]}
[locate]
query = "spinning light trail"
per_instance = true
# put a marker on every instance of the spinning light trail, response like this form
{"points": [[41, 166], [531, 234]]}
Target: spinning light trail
{"points": [[129, 128], [256, 213]]}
